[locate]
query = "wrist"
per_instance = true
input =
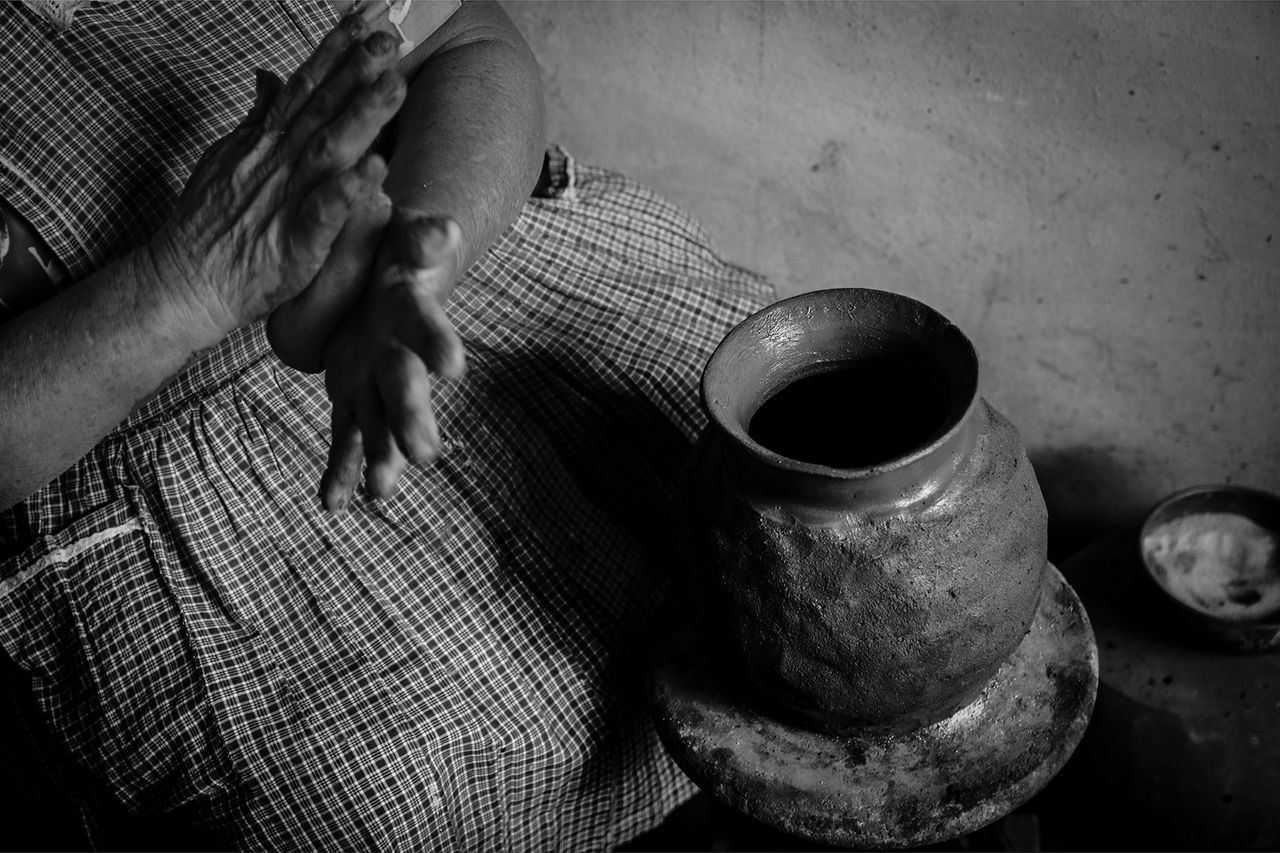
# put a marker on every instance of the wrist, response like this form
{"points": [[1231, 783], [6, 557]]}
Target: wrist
{"points": [[167, 292]]}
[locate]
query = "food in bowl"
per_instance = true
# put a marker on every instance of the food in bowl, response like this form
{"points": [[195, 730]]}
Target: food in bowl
{"points": [[1221, 564]]}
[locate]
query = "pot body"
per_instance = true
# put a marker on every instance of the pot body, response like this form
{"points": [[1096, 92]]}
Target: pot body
{"points": [[880, 595]]}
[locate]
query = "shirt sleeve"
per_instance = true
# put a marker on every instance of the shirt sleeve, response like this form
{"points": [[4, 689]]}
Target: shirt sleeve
{"points": [[411, 21]]}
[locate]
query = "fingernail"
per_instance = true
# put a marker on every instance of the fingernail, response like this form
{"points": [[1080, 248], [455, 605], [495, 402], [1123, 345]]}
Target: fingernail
{"points": [[373, 166], [433, 442], [380, 44], [457, 363]]}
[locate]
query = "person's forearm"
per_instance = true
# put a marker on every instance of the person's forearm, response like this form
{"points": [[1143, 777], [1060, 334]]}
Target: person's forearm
{"points": [[468, 144], [73, 367], [253, 227], [470, 137]]}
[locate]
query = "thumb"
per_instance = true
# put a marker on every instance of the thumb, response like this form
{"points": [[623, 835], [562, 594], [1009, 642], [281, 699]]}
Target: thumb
{"points": [[426, 242], [266, 86]]}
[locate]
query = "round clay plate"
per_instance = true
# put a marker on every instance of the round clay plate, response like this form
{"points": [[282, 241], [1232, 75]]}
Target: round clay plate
{"points": [[880, 789]]}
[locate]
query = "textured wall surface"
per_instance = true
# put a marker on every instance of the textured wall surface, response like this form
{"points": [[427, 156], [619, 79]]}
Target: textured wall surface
{"points": [[1091, 191]]}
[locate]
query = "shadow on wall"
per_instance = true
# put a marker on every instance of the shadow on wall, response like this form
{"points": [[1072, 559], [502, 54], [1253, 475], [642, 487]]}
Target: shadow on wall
{"points": [[1088, 493], [1087, 189]]}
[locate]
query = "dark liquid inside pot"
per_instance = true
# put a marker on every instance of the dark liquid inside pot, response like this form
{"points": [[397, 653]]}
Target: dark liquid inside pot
{"points": [[860, 413]]}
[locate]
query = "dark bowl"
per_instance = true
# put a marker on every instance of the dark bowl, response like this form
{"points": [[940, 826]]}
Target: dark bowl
{"points": [[1214, 554]]}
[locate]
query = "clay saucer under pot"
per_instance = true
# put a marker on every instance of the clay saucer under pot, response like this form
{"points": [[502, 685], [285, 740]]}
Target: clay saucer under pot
{"points": [[883, 789], [872, 649]]}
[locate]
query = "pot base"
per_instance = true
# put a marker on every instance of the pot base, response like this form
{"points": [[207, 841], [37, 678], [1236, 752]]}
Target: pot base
{"points": [[895, 789]]}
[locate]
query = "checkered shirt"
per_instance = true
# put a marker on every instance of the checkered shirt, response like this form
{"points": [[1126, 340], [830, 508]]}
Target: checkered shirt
{"points": [[461, 666]]}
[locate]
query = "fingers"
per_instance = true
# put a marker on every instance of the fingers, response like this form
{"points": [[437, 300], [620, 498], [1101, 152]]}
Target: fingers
{"points": [[392, 424], [299, 329], [426, 253], [284, 102], [303, 82], [256, 148], [396, 419], [386, 461], [438, 343], [329, 113], [345, 137], [267, 88], [321, 216], [251, 149], [389, 386], [364, 92], [346, 456], [405, 388], [426, 242]]}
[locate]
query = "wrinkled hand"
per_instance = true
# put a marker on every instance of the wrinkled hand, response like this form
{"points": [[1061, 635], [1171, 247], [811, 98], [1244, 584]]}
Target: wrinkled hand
{"points": [[299, 328], [378, 363], [262, 209]]}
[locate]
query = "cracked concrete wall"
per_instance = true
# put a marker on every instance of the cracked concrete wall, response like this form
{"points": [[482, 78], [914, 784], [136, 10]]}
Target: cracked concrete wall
{"points": [[1089, 190]]}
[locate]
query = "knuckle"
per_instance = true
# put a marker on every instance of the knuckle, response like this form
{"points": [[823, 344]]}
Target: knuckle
{"points": [[394, 377], [365, 105], [319, 107], [321, 147], [351, 185], [243, 175], [323, 214], [274, 119], [305, 255], [353, 27], [391, 86], [325, 100], [300, 85], [399, 361], [363, 64], [306, 81]]}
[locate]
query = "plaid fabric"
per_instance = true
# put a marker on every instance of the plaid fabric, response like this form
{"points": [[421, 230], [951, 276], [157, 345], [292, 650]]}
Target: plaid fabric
{"points": [[460, 666]]}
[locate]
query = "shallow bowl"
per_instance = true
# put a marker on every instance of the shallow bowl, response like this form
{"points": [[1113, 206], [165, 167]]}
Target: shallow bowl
{"points": [[1214, 553]]}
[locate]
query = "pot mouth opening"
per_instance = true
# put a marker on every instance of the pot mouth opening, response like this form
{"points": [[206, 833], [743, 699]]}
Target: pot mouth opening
{"points": [[844, 384]]}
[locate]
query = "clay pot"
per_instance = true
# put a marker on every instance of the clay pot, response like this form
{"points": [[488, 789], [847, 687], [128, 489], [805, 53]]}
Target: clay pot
{"points": [[874, 533]]}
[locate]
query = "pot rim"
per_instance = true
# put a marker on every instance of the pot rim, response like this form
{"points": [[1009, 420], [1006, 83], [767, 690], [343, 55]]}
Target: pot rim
{"points": [[718, 411]]}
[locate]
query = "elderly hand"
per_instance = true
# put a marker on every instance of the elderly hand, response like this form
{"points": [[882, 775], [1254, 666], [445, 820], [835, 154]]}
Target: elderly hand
{"points": [[262, 209], [377, 364], [299, 328]]}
